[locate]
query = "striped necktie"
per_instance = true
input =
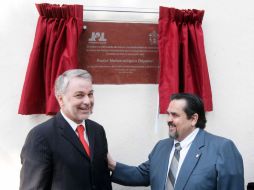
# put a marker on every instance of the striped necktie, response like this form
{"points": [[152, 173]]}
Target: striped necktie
{"points": [[173, 168]]}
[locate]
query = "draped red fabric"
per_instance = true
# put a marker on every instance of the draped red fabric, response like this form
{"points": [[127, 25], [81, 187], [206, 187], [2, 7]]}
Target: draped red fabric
{"points": [[183, 66], [54, 51]]}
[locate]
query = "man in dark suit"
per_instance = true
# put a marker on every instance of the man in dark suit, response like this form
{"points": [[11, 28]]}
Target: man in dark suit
{"points": [[191, 159], [58, 154]]}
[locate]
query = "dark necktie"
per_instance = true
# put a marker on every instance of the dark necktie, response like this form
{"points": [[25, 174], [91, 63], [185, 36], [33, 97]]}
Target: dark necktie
{"points": [[173, 168], [80, 129]]}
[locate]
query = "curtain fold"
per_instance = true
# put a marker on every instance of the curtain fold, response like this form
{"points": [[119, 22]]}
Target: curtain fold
{"points": [[183, 66], [54, 51]]}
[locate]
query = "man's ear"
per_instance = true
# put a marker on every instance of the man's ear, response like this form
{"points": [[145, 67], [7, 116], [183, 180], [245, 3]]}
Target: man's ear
{"points": [[59, 98], [194, 118]]}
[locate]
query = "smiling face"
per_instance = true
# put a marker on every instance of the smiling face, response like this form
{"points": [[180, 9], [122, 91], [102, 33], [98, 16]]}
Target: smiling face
{"points": [[77, 101], [180, 126]]}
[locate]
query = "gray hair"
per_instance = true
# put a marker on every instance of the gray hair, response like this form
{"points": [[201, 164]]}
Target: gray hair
{"points": [[63, 80]]}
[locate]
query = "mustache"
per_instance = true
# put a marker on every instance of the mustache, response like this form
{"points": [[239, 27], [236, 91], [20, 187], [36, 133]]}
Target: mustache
{"points": [[170, 123]]}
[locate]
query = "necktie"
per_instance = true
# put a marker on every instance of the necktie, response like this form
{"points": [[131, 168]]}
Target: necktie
{"points": [[173, 167], [80, 129]]}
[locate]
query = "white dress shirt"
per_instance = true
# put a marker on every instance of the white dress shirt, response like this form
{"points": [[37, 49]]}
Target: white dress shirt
{"points": [[75, 125], [185, 145]]}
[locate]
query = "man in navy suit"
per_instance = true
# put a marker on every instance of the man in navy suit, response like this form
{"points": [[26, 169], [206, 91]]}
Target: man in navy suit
{"points": [[56, 154], [202, 161]]}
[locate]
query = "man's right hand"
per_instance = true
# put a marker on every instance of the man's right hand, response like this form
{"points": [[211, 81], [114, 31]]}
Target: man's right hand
{"points": [[111, 162]]}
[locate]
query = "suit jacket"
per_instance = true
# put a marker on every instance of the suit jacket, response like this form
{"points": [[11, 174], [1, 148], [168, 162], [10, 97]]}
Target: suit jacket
{"points": [[53, 158], [212, 163]]}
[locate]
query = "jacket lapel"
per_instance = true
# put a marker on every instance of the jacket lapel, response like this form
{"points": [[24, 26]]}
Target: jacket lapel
{"points": [[67, 132], [91, 137], [190, 161], [165, 163]]}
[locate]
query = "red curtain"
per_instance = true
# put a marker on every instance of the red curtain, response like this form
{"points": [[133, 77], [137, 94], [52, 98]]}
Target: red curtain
{"points": [[54, 51], [183, 66]]}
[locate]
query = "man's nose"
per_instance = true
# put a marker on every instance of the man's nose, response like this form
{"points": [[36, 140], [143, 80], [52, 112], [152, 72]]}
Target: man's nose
{"points": [[169, 119], [86, 99]]}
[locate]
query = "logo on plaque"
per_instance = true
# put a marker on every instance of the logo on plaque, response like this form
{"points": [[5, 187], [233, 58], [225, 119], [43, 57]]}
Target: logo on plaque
{"points": [[97, 37]]}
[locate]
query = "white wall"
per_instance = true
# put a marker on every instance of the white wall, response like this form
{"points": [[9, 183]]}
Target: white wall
{"points": [[128, 111]]}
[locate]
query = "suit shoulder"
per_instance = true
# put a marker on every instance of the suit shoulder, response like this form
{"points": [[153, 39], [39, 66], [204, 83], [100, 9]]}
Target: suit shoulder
{"points": [[94, 124], [218, 140], [42, 130], [215, 137], [224, 146], [160, 149], [162, 143], [44, 126]]}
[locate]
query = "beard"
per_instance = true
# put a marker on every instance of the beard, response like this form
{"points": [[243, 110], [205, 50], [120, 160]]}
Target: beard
{"points": [[172, 134]]}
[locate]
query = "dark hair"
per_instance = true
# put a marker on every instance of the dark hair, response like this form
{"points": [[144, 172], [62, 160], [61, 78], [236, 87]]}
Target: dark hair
{"points": [[194, 104]]}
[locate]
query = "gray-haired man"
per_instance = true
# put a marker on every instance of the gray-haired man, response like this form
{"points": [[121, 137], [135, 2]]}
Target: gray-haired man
{"points": [[56, 154]]}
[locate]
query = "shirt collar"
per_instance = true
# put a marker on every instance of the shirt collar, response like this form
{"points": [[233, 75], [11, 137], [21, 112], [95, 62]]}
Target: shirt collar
{"points": [[72, 123], [189, 139]]}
